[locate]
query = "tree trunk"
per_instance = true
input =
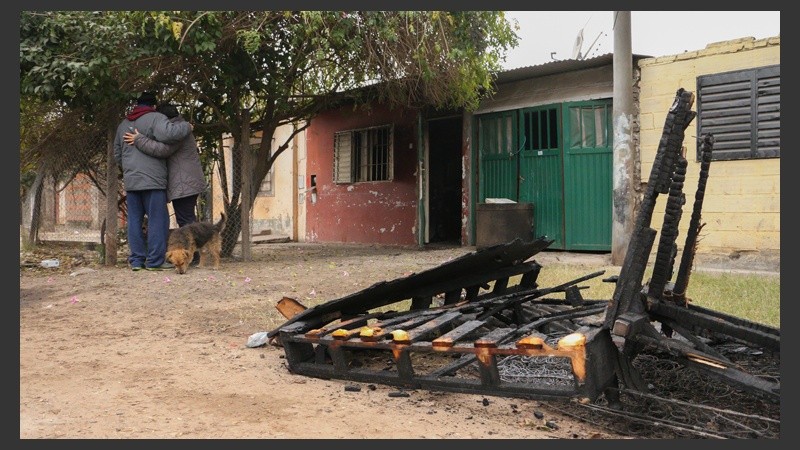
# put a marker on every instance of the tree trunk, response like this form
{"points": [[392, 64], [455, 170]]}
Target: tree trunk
{"points": [[109, 237]]}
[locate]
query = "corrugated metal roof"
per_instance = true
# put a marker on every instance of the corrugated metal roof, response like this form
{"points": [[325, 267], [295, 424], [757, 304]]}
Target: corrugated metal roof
{"points": [[561, 66]]}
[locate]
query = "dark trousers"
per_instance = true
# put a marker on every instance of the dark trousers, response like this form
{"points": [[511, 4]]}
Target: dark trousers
{"points": [[185, 210], [150, 251], [185, 213]]}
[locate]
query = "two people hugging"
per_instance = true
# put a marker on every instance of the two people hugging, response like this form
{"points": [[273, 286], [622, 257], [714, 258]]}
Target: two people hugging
{"points": [[160, 163]]}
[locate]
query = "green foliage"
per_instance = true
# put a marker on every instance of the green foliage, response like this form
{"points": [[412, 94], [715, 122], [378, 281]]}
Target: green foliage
{"points": [[76, 57], [273, 67]]}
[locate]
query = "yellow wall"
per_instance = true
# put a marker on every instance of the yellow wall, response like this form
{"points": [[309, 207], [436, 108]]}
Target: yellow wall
{"points": [[741, 208], [283, 213]]}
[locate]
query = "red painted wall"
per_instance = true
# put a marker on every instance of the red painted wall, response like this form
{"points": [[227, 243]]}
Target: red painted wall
{"points": [[380, 212]]}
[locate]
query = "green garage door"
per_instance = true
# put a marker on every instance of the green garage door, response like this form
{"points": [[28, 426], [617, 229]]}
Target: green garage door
{"points": [[498, 160], [588, 177], [541, 180], [558, 158]]}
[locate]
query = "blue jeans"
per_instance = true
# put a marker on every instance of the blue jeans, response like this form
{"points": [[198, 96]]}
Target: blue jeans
{"points": [[150, 251]]}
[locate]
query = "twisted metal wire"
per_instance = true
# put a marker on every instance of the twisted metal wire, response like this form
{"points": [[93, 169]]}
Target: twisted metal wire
{"points": [[684, 403]]}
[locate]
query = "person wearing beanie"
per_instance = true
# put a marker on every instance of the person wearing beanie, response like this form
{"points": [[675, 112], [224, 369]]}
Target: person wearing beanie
{"points": [[145, 181], [185, 180]]}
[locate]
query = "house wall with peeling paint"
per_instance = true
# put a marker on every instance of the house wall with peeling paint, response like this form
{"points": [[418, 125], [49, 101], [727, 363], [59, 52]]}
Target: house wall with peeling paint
{"points": [[741, 207], [278, 213], [380, 212]]}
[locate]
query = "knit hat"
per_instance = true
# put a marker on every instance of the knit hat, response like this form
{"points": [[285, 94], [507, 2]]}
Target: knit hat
{"points": [[147, 98], [168, 110]]}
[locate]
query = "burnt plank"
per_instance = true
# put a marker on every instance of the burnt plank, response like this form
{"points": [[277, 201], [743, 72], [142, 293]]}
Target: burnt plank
{"points": [[496, 335], [737, 329], [493, 338], [436, 324], [573, 296], [506, 303], [500, 285], [421, 302], [472, 292], [405, 370], [356, 322], [449, 338], [408, 324], [338, 358], [529, 278], [487, 367], [487, 362], [452, 297], [472, 266]]}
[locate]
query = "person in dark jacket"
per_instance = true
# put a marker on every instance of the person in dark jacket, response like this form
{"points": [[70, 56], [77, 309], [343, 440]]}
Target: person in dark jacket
{"points": [[186, 179], [145, 181]]}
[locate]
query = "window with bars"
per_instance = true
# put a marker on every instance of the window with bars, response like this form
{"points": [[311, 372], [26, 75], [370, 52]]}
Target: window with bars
{"points": [[266, 188], [363, 155], [540, 128], [742, 110]]}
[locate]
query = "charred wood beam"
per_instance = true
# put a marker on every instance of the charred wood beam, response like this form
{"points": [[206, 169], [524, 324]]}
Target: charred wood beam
{"points": [[538, 293], [690, 247], [434, 325], [716, 323], [690, 336], [460, 332], [720, 369], [573, 296], [480, 266], [629, 283], [468, 359], [421, 302], [665, 255], [574, 313]]}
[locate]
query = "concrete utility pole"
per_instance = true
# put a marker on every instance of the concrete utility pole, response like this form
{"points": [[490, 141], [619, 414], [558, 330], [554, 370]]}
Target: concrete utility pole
{"points": [[624, 194]]}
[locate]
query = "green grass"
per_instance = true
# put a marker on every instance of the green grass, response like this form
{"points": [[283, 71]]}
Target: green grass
{"points": [[751, 297]]}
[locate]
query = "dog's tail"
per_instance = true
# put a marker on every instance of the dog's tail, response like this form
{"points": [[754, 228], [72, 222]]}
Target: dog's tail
{"points": [[221, 224]]}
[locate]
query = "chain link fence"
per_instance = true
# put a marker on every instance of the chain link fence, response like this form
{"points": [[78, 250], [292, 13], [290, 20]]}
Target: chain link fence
{"points": [[64, 180]]}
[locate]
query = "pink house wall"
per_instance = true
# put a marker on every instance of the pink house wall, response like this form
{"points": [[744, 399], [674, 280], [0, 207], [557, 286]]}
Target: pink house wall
{"points": [[380, 212]]}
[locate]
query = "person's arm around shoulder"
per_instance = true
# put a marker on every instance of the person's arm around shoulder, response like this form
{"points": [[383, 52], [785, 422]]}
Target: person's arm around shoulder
{"points": [[118, 145], [150, 147], [168, 131]]}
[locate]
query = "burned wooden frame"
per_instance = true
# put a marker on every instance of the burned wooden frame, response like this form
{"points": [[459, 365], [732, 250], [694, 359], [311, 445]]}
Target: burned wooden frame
{"points": [[461, 327]]}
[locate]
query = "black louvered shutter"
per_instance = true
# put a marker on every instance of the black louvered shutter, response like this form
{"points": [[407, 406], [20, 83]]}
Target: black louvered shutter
{"points": [[742, 109]]}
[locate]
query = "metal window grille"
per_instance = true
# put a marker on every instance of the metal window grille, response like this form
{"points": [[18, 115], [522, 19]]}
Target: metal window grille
{"points": [[363, 155]]}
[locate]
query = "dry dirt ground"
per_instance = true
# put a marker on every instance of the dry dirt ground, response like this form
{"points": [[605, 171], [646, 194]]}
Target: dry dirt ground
{"points": [[106, 352]]}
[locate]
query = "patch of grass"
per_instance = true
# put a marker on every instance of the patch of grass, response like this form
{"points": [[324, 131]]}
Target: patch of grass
{"points": [[751, 297]]}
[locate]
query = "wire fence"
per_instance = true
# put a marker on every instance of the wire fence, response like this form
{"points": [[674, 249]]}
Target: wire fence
{"points": [[64, 178]]}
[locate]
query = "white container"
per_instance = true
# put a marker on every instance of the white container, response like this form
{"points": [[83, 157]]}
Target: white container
{"points": [[48, 263]]}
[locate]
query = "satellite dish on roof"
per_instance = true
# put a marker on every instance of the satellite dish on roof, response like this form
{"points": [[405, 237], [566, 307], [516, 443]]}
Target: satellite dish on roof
{"points": [[576, 48]]}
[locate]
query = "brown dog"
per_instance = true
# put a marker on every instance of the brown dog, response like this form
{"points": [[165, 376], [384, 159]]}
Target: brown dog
{"points": [[197, 236]]}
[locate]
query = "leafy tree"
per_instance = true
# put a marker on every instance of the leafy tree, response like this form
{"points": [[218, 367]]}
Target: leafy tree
{"points": [[246, 72]]}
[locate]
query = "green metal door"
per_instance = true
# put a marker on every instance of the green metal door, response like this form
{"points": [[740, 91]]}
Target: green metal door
{"points": [[541, 180], [498, 157], [588, 182]]}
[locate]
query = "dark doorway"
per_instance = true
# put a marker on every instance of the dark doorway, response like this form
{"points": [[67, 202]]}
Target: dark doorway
{"points": [[444, 180]]}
